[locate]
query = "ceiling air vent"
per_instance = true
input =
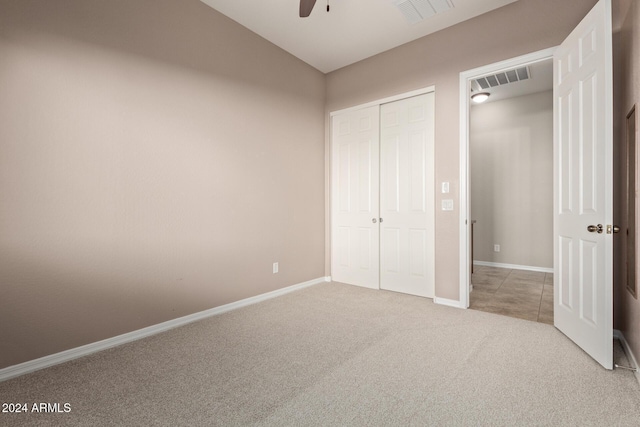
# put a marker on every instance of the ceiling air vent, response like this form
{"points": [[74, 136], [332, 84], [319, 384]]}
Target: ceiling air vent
{"points": [[416, 10], [502, 78]]}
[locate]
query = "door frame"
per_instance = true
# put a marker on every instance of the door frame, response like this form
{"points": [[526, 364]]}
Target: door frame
{"points": [[465, 204], [381, 101]]}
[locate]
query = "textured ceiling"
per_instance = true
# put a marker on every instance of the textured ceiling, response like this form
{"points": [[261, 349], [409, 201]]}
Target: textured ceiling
{"points": [[353, 30]]}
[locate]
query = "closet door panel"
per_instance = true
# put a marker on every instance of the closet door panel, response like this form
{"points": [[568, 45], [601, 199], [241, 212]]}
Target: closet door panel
{"points": [[355, 198], [407, 196]]}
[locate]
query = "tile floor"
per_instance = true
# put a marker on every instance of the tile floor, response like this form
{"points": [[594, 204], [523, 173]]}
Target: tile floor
{"points": [[516, 293]]}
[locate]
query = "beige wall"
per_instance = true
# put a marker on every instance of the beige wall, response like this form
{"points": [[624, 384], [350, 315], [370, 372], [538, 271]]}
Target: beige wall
{"points": [[511, 180], [516, 29], [155, 159], [626, 94]]}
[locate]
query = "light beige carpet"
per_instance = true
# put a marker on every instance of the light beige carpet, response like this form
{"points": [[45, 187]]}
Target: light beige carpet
{"points": [[337, 355]]}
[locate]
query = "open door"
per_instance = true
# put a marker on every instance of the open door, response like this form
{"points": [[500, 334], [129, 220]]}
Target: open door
{"points": [[583, 195]]}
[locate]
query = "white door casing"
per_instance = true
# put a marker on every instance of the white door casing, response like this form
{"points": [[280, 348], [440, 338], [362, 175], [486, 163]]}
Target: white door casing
{"points": [[583, 190], [465, 219], [407, 252], [355, 197]]}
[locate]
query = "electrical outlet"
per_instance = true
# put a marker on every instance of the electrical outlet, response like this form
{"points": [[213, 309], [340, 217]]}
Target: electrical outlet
{"points": [[496, 248], [275, 267]]}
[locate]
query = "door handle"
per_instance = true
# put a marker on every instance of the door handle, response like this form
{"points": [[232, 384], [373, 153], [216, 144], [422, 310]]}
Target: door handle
{"points": [[595, 229], [374, 220]]}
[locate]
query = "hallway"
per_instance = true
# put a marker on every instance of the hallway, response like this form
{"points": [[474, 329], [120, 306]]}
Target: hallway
{"points": [[516, 293]]}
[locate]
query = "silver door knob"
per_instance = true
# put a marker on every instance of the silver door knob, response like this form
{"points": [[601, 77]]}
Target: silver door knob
{"points": [[374, 220], [595, 228]]}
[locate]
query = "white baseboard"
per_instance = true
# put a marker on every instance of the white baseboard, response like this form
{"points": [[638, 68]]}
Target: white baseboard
{"points": [[513, 266], [627, 350], [74, 353], [448, 302]]}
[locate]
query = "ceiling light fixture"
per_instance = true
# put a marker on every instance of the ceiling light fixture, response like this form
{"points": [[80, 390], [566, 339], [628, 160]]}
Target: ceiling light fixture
{"points": [[480, 97]]}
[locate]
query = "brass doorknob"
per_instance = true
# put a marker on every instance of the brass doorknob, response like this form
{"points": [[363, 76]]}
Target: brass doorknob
{"points": [[595, 228]]}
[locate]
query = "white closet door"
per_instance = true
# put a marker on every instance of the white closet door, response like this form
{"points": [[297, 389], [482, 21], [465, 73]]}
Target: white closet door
{"points": [[407, 245], [355, 198]]}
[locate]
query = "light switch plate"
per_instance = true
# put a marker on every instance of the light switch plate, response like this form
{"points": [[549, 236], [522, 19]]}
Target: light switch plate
{"points": [[445, 187], [447, 205]]}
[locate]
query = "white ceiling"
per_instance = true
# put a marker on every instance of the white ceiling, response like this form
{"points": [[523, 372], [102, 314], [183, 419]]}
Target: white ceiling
{"points": [[353, 30]]}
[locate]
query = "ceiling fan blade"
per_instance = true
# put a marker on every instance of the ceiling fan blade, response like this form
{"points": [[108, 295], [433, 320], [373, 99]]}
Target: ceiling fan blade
{"points": [[306, 6]]}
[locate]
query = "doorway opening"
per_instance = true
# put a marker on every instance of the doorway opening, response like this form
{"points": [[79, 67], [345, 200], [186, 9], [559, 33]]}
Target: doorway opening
{"points": [[583, 182], [507, 198], [511, 193]]}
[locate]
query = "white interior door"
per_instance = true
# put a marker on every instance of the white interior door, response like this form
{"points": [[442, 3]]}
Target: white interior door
{"points": [[355, 197], [583, 307], [407, 196]]}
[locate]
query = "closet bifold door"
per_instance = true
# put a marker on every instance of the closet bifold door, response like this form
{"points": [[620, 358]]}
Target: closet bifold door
{"points": [[407, 244], [355, 233], [382, 196]]}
